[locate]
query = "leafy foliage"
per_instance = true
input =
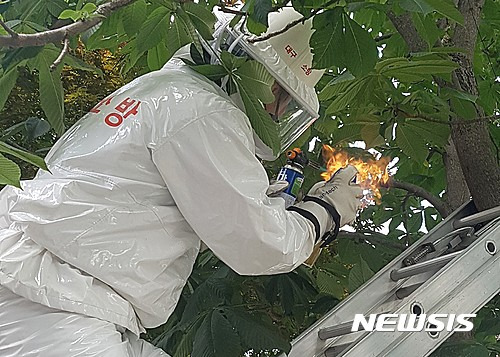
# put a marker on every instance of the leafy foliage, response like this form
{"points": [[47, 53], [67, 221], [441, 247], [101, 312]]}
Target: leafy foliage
{"points": [[374, 91]]}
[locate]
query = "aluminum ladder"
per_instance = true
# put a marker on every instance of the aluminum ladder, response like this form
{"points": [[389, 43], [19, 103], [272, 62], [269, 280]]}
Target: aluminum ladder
{"points": [[455, 269]]}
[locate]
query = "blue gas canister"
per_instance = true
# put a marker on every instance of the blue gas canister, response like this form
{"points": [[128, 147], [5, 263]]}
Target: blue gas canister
{"points": [[293, 174]]}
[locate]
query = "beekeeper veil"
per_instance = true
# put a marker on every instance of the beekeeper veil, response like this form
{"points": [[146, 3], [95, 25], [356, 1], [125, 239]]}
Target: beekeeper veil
{"points": [[288, 58]]}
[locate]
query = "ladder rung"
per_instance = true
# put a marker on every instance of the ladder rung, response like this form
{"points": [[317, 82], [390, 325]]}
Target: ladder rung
{"points": [[335, 331], [339, 330], [480, 217], [336, 350], [423, 267], [407, 290]]}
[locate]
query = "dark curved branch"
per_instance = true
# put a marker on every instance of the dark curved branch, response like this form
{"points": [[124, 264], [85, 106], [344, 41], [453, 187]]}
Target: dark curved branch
{"points": [[438, 204], [291, 24], [8, 29], [59, 34], [373, 237], [383, 37], [61, 55], [279, 32], [223, 8]]}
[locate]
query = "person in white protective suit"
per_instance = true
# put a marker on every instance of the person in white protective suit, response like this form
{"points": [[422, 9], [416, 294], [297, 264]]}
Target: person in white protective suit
{"points": [[100, 248]]}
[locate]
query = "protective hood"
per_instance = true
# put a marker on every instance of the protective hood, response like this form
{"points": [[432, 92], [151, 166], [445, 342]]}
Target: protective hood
{"points": [[288, 58]]}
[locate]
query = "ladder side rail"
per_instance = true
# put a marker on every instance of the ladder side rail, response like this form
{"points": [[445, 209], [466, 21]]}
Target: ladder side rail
{"points": [[463, 286], [372, 293]]}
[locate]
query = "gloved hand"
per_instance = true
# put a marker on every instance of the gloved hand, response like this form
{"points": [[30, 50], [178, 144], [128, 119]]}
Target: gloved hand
{"points": [[276, 187], [332, 204]]}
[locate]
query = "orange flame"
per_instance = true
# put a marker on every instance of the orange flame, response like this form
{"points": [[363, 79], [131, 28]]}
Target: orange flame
{"points": [[372, 172]]}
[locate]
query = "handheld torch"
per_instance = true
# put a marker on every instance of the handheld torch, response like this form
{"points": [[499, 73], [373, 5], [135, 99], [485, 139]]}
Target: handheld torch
{"points": [[293, 173]]}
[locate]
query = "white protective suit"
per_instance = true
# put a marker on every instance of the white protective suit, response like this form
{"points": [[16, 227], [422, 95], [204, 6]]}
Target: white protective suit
{"points": [[113, 230]]}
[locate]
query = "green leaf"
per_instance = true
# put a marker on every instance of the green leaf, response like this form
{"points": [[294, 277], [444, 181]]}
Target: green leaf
{"points": [[336, 268], [192, 34], [463, 108], [77, 63], [51, 90], [416, 6], [414, 223], [348, 251], [55, 7], [327, 39], [326, 125], [10, 174], [359, 274], [157, 56], [256, 80], [433, 132], [154, 29], [89, 7], [415, 70], [347, 133], [447, 8], [109, 34], [336, 86], [430, 221], [231, 61], [7, 82], [447, 93], [261, 121], [132, 55], [335, 30], [255, 27], [213, 72], [202, 18], [185, 346], [259, 10], [255, 334], [370, 135], [350, 92], [411, 143], [216, 337], [395, 222], [426, 27], [329, 284], [134, 16], [69, 14], [177, 35], [23, 155], [360, 48]]}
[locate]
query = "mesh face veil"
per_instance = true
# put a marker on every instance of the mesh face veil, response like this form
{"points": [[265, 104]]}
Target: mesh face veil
{"points": [[288, 59]]}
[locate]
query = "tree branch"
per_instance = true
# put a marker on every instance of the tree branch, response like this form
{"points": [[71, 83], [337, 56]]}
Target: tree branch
{"points": [[8, 29], [383, 37], [59, 34], [373, 237], [279, 32], [291, 24], [61, 55], [490, 118], [223, 8], [438, 204], [404, 25]]}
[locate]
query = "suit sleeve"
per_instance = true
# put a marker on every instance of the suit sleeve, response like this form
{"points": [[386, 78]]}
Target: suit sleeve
{"points": [[219, 186]]}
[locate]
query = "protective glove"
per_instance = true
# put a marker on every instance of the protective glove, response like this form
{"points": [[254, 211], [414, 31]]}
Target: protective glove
{"points": [[276, 187], [332, 204]]}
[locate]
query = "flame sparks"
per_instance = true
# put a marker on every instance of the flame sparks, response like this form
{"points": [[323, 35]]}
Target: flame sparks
{"points": [[372, 172]]}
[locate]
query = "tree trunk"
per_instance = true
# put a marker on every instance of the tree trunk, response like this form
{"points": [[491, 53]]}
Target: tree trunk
{"points": [[457, 192], [477, 163], [472, 139]]}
